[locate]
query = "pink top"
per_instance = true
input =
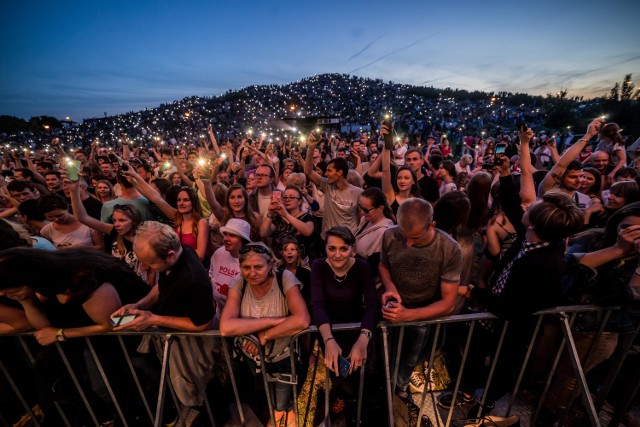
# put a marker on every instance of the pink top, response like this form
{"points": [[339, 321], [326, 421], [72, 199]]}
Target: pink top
{"points": [[188, 239]]}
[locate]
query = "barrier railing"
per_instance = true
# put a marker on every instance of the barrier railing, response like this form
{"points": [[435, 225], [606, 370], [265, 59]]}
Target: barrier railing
{"points": [[166, 339]]}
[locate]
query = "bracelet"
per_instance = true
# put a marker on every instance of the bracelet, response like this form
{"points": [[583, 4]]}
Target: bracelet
{"points": [[583, 139], [637, 271], [329, 339]]}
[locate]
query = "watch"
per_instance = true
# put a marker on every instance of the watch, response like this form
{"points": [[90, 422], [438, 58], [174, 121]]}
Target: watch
{"points": [[366, 333], [60, 336]]}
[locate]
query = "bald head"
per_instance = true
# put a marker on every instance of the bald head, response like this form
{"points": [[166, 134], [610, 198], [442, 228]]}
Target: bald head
{"points": [[600, 160]]}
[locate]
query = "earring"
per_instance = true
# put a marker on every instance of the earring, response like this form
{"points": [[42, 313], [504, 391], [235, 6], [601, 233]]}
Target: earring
{"points": [[531, 227]]}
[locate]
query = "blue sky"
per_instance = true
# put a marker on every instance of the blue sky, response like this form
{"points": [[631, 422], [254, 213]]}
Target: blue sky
{"points": [[84, 58]]}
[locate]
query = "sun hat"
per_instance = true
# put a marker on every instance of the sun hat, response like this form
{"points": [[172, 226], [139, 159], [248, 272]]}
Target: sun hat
{"points": [[238, 227]]}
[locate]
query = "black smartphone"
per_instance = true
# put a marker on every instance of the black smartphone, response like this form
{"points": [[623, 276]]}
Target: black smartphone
{"points": [[522, 127], [343, 366], [500, 148]]}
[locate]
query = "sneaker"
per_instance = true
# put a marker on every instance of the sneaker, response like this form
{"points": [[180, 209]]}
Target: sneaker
{"points": [[417, 380], [420, 380], [493, 421], [445, 399], [414, 411], [431, 376]]}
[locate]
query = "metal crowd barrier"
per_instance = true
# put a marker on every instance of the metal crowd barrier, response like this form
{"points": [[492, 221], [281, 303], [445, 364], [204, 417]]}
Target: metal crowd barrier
{"points": [[566, 316]]}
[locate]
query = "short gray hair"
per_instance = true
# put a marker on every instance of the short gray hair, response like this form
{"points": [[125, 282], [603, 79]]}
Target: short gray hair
{"points": [[160, 237], [414, 211]]}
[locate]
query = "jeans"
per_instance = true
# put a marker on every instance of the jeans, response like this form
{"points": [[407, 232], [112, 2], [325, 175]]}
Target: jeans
{"points": [[281, 393], [414, 350]]}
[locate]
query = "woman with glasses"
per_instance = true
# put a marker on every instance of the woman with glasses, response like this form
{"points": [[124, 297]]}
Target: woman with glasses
{"points": [[342, 291], [119, 235], [287, 219], [376, 218], [272, 309]]}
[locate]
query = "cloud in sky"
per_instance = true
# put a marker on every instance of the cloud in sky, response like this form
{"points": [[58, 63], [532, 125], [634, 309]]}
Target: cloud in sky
{"points": [[86, 58]]}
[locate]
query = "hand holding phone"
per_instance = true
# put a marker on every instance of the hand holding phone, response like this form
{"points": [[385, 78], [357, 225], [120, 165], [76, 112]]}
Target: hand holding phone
{"points": [[344, 366], [388, 137], [121, 320], [73, 169]]}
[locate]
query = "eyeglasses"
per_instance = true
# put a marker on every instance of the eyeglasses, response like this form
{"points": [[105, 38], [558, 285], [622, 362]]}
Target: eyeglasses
{"points": [[367, 210], [255, 248], [287, 198], [261, 175], [122, 207]]}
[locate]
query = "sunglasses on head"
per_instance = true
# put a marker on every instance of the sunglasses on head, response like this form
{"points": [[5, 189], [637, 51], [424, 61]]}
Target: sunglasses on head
{"points": [[255, 248]]}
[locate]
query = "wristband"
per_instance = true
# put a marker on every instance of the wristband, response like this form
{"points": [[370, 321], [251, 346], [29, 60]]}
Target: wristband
{"points": [[329, 339]]}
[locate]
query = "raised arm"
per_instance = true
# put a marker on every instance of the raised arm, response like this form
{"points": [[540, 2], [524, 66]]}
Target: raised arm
{"points": [[374, 169], [527, 186], [314, 176], [150, 193], [185, 179], [554, 176], [212, 137], [205, 186], [80, 212]]}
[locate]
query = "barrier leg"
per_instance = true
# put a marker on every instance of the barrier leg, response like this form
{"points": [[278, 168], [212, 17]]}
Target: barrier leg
{"points": [[387, 373], [494, 363], [525, 362], [465, 353], [106, 381], [135, 379], [423, 399], [227, 356], [76, 383], [26, 350], [360, 391], [582, 381], [163, 381]]}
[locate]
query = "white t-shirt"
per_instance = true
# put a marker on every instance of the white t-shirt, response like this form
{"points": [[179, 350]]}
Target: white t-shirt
{"points": [[81, 236], [224, 268]]}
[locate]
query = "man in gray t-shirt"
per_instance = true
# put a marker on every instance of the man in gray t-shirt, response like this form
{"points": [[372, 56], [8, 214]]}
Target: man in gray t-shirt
{"points": [[419, 268], [340, 198]]}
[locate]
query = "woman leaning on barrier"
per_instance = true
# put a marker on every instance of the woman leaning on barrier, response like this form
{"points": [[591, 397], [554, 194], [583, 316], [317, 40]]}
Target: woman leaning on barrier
{"points": [[269, 305], [67, 295], [343, 291]]}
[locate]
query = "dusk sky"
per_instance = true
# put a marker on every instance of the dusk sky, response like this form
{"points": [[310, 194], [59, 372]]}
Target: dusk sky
{"points": [[84, 58]]}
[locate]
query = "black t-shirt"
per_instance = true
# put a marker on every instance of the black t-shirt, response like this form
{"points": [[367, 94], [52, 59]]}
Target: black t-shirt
{"points": [[186, 290], [93, 207], [429, 189]]}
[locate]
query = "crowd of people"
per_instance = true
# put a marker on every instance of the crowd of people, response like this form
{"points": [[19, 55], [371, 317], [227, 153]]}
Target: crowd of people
{"points": [[263, 238]]}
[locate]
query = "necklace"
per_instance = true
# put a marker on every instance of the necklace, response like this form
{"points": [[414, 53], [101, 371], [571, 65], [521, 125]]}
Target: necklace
{"points": [[339, 279]]}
